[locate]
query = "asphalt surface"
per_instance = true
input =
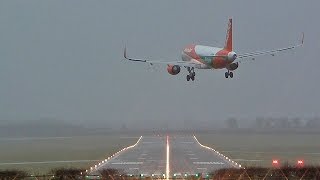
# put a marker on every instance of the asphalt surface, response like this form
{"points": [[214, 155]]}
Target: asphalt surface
{"points": [[188, 157], [148, 157]]}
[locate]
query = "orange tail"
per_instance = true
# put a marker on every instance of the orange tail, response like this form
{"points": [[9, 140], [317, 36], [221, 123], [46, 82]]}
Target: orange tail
{"points": [[228, 44]]}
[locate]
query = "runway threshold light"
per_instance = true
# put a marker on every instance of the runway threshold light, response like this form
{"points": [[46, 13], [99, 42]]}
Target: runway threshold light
{"points": [[275, 162], [300, 162]]}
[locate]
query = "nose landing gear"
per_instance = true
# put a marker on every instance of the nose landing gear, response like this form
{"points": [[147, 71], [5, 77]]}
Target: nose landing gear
{"points": [[228, 74], [191, 74]]}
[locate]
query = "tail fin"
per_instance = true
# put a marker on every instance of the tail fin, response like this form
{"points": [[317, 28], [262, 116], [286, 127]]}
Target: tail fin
{"points": [[228, 44]]}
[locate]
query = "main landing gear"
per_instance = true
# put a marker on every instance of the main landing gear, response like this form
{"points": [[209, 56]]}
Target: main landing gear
{"points": [[191, 74], [228, 74]]}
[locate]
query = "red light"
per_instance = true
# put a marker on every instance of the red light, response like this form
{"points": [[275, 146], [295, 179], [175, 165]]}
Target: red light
{"points": [[300, 162], [275, 162]]}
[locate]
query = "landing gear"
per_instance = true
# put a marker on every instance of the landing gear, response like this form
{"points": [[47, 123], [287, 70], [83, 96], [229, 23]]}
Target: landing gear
{"points": [[191, 74], [228, 74]]}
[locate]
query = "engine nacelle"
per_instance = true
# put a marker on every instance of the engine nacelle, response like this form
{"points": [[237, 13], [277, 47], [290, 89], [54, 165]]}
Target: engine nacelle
{"points": [[232, 56], [233, 66], [173, 69]]}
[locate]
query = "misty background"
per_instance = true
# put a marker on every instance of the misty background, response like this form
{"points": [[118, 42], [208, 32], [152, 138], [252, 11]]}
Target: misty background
{"points": [[63, 61]]}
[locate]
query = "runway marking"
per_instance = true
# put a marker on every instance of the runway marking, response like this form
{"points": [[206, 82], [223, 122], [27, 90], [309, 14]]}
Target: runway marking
{"points": [[249, 160], [216, 163], [127, 163], [47, 162], [273, 152], [202, 168], [193, 158], [191, 154], [34, 138], [168, 160], [129, 137]]}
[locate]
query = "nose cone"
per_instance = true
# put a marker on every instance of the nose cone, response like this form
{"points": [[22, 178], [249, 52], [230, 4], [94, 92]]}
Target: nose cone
{"points": [[232, 56]]}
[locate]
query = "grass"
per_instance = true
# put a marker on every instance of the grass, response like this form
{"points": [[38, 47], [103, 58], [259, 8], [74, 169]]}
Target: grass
{"points": [[247, 149], [261, 149], [59, 149]]}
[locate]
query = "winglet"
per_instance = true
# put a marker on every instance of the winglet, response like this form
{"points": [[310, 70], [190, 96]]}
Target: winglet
{"points": [[228, 44], [302, 40], [125, 52]]}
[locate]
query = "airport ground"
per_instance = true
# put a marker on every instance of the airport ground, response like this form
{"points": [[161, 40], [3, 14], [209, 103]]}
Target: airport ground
{"points": [[247, 149], [39, 155], [261, 149]]}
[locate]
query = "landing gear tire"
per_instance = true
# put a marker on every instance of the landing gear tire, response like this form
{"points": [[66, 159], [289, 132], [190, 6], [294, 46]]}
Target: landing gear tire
{"points": [[192, 78], [231, 74], [228, 74], [191, 74]]}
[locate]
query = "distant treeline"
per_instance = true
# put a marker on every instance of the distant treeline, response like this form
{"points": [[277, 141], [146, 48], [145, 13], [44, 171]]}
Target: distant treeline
{"points": [[277, 123], [56, 128], [46, 128]]}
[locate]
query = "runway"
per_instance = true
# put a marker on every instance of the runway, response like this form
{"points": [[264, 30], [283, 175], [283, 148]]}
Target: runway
{"points": [[167, 155]]}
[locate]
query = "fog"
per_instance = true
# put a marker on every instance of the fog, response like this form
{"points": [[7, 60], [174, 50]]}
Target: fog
{"points": [[64, 60]]}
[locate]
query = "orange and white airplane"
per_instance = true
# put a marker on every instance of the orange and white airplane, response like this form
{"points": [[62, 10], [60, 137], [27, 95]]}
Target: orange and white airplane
{"points": [[206, 57]]}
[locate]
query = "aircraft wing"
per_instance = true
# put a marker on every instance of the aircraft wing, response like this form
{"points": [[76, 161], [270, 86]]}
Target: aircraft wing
{"points": [[270, 52], [152, 62]]}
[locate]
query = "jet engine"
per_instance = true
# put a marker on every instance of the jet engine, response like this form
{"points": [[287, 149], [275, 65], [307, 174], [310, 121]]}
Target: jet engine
{"points": [[233, 66], [232, 56], [173, 69]]}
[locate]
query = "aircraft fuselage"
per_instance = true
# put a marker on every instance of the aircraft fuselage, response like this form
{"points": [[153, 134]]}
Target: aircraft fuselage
{"points": [[206, 56]]}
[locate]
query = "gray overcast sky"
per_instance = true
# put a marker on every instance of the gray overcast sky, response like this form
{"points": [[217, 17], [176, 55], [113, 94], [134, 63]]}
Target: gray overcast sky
{"points": [[63, 59]]}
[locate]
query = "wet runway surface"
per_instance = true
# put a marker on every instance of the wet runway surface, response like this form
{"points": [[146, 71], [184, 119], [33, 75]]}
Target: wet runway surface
{"points": [[188, 157], [149, 157]]}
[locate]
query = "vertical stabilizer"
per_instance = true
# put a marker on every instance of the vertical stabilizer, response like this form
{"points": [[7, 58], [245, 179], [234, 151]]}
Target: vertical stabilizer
{"points": [[228, 44]]}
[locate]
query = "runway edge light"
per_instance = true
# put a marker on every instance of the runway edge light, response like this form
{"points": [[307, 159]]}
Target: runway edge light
{"points": [[235, 164]]}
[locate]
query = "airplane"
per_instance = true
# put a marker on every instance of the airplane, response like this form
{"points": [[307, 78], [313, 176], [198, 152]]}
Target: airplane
{"points": [[206, 57]]}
